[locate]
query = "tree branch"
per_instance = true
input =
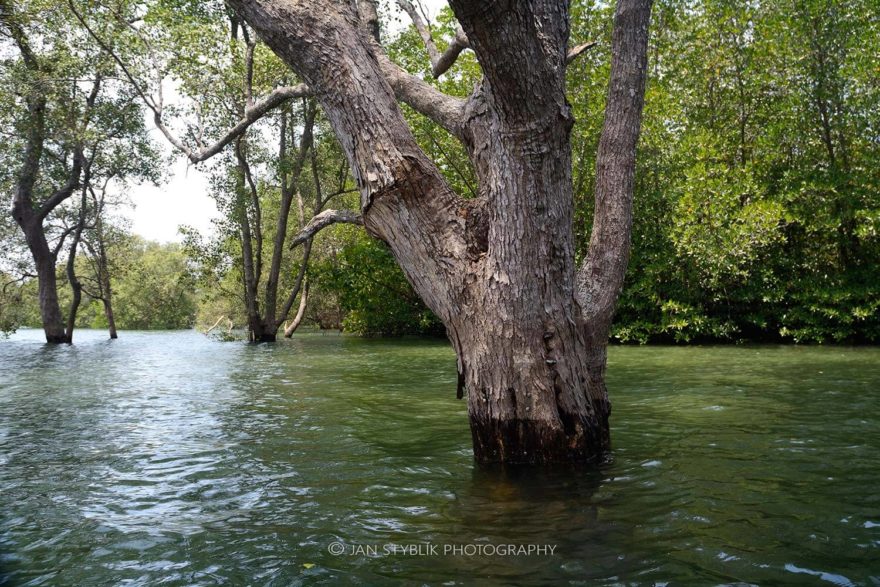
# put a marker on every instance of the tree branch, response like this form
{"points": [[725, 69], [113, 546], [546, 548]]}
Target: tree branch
{"points": [[254, 194], [79, 161], [600, 278], [66, 190], [322, 221], [447, 59], [505, 36], [440, 62], [578, 50], [253, 112], [445, 110]]}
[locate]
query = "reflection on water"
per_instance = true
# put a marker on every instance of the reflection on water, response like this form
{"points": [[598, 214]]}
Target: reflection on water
{"points": [[168, 458]]}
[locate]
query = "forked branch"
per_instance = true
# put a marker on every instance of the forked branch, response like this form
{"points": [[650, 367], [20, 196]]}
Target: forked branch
{"points": [[440, 62], [600, 278]]}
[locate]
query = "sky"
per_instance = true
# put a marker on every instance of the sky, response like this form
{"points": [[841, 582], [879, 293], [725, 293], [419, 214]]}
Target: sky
{"points": [[184, 199]]}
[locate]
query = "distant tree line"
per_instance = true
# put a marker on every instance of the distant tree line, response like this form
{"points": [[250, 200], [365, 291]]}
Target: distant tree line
{"points": [[153, 289]]}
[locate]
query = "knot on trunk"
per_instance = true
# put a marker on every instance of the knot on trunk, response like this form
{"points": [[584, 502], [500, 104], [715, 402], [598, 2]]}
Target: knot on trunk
{"points": [[476, 227]]}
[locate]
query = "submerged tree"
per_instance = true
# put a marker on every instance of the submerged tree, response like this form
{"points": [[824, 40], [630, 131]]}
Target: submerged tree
{"points": [[529, 329], [72, 123]]}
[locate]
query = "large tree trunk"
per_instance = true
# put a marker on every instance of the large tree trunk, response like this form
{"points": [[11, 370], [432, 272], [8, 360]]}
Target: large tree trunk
{"points": [[259, 331], [519, 334], [44, 262], [498, 270]]}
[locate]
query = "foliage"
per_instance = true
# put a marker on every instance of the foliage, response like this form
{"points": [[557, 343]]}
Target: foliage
{"points": [[757, 206], [153, 289], [372, 290], [756, 202]]}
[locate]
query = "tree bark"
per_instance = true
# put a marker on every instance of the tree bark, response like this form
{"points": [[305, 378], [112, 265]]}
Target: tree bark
{"points": [[108, 313], [601, 277], [498, 270], [104, 277], [30, 221], [275, 317], [300, 312], [44, 259]]}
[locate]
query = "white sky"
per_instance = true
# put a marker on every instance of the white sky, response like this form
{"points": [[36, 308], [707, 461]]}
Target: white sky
{"points": [[184, 198]]}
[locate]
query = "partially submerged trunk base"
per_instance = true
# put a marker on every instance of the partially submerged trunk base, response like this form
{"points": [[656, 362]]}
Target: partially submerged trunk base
{"points": [[535, 442]]}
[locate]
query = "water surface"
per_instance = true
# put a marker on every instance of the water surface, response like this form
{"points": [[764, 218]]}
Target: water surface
{"points": [[172, 459]]}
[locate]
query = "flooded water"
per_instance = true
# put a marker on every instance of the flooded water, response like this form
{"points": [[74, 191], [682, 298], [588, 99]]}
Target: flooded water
{"points": [[171, 459]]}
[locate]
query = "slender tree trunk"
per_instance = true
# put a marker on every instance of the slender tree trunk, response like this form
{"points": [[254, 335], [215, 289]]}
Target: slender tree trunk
{"points": [[75, 286], [257, 331], [106, 284], [300, 312], [275, 316], [108, 313]]}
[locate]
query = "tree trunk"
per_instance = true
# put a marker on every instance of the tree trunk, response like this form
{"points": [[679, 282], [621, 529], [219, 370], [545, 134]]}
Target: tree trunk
{"points": [[108, 312], [28, 214], [300, 312], [76, 289], [75, 284], [498, 270], [519, 334], [44, 261], [258, 331], [530, 399], [50, 311], [106, 284]]}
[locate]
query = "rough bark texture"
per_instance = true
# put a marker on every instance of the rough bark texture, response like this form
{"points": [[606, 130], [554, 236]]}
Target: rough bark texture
{"points": [[600, 279], [498, 270]]}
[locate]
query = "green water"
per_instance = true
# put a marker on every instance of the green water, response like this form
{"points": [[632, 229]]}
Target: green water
{"points": [[166, 458]]}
